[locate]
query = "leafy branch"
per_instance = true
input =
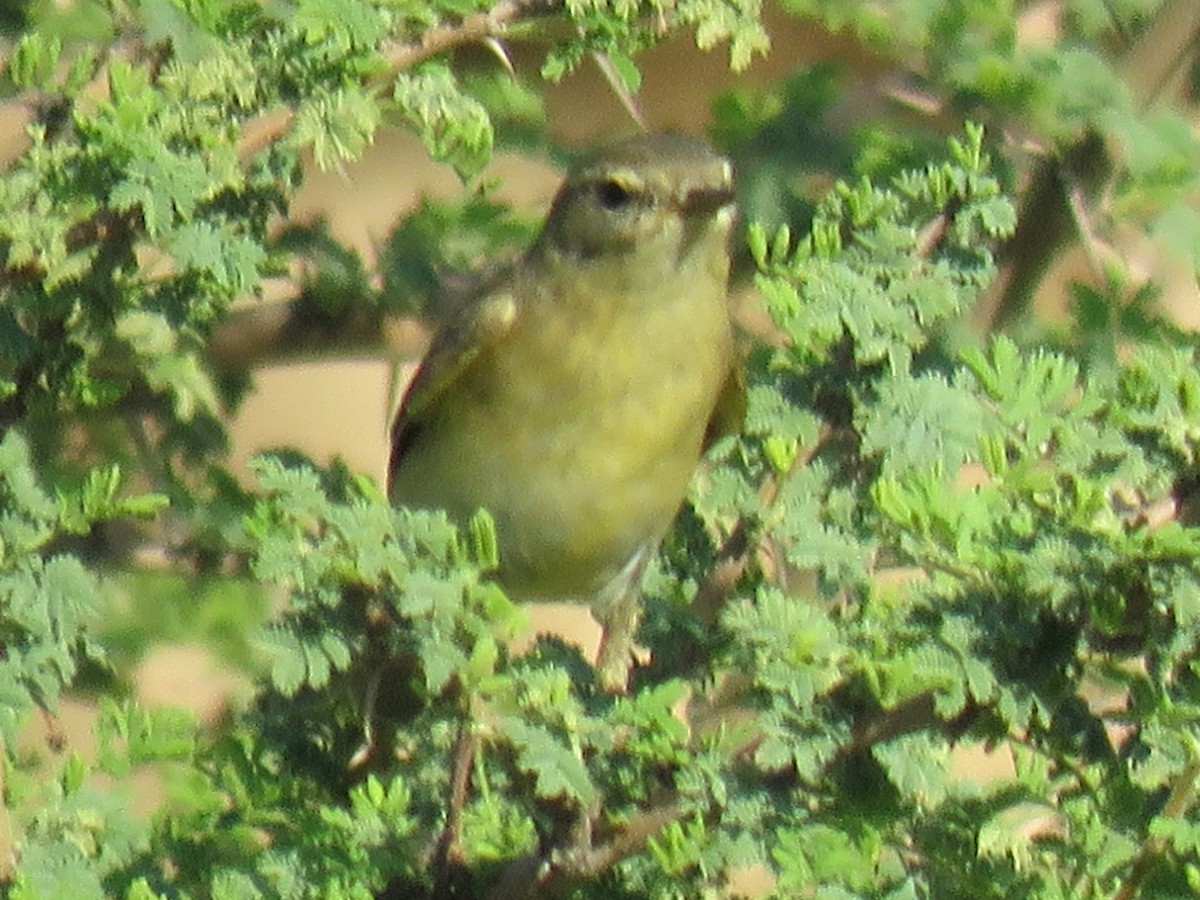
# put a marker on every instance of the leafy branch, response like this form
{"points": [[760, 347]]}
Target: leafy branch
{"points": [[924, 540]]}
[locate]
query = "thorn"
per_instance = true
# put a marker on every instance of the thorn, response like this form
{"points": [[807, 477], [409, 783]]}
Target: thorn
{"points": [[604, 64], [501, 53]]}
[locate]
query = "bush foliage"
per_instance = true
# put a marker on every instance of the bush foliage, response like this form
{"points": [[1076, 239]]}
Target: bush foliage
{"points": [[948, 523]]}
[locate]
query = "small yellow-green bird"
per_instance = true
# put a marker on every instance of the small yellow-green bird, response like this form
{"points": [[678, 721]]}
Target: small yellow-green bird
{"points": [[573, 396]]}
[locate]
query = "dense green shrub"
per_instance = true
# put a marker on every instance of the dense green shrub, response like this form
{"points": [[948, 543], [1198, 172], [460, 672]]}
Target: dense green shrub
{"points": [[927, 537]]}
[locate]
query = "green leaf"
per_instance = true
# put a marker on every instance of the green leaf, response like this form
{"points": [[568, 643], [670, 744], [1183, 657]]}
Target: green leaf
{"points": [[821, 855], [56, 869], [231, 262], [454, 127], [338, 126], [344, 25], [559, 772], [168, 20], [33, 60], [919, 767], [1013, 832], [626, 70], [921, 422]]}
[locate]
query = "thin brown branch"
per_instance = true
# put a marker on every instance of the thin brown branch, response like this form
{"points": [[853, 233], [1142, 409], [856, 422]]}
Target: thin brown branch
{"points": [[449, 862], [930, 237], [293, 330], [1067, 183], [479, 28], [476, 28], [740, 547], [624, 843], [913, 715], [1100, 256], [1155, 65], [1180, 800], [733, 559], [553, 873], [535, 876], [262, 131], [1046, 224], [104, 227]]}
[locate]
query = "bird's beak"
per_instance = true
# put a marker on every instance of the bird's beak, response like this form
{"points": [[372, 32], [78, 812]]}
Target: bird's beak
{"points": [[706, 201]]}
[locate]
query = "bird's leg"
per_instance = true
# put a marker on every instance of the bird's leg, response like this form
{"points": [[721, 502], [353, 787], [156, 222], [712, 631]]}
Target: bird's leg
{"points": [[618, 609], [618, 624]]}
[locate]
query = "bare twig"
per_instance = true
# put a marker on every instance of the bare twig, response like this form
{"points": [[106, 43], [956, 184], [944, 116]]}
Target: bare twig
{"points": [[553, 873], [1099, 253], [931, 235], [1045, 223], [449, 861], [1066, 183], [1180, 800], [1155, 65], [289, 330], [734, 555], [733, 558], [535, 876], [477, 28]]}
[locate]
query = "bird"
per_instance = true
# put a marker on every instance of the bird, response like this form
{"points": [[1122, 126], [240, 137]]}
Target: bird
{"points": [[573, 395]]}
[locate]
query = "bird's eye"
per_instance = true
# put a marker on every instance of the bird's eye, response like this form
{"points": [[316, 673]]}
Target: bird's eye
{"points": [[613, 195]]}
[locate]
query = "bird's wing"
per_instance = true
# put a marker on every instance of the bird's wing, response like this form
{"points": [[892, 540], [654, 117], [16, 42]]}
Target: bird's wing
{"points": [[474, 327], [729, 414]]}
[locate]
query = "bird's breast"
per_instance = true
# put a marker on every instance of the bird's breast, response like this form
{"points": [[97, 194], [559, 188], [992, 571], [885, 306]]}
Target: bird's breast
{"points": [[580, 430]]}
